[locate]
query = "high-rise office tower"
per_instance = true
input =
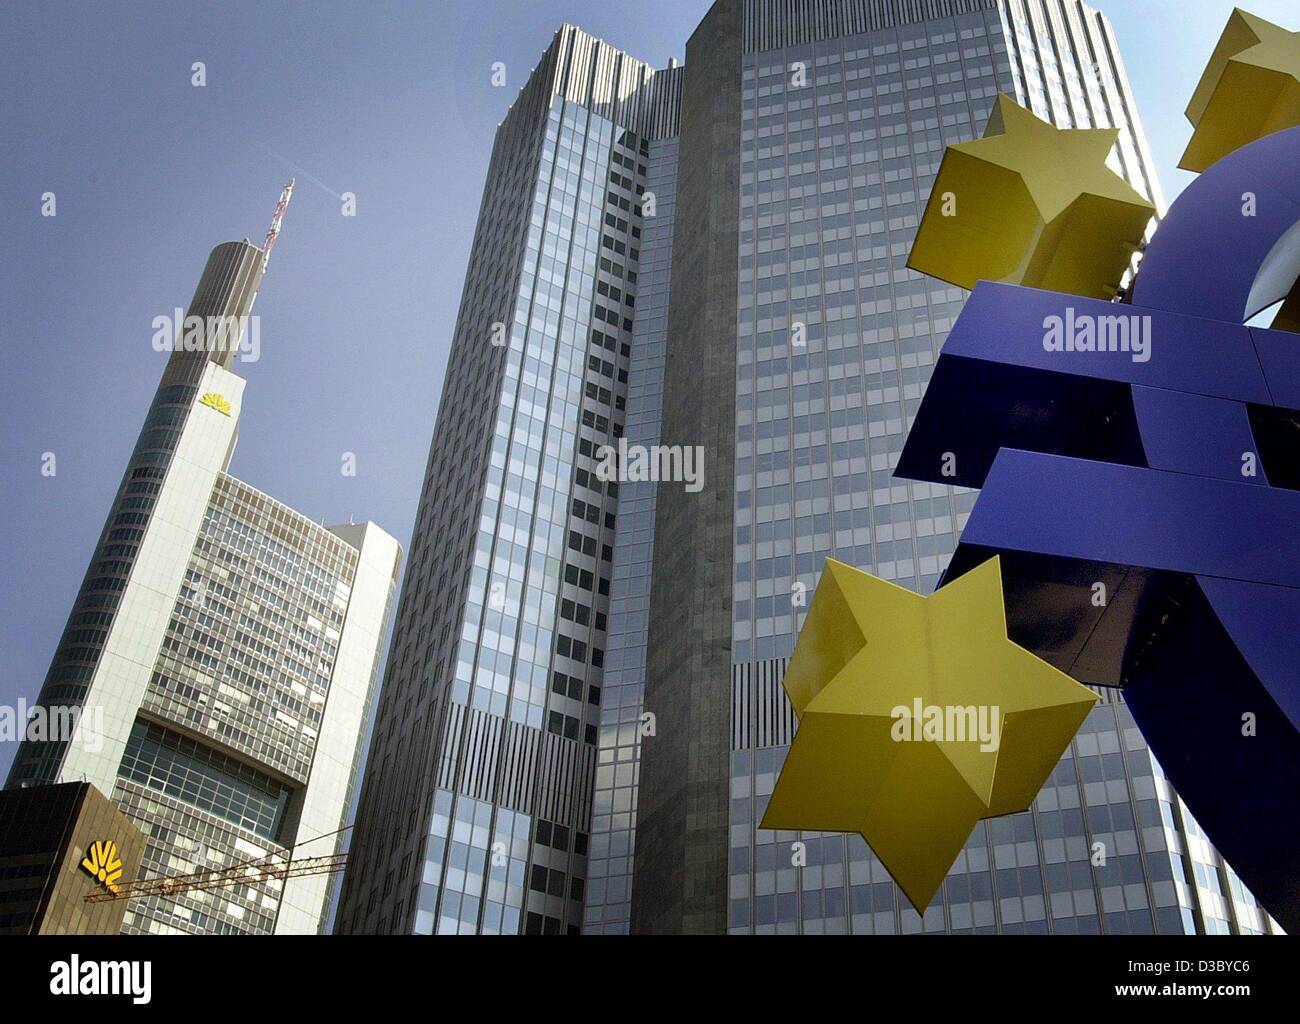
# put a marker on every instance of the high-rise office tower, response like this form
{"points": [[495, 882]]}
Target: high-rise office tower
{"points": [[582, 717], [222, 650], [476, 802]]}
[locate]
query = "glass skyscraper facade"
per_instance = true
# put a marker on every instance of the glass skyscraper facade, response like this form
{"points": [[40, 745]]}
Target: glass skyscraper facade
{"points": [[840, 140], [613, 819], [767, 316], [222, 651], [476, 807]]}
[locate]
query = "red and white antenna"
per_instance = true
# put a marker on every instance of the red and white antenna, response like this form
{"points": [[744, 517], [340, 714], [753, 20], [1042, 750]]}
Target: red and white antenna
{"points": [[273, 232]]}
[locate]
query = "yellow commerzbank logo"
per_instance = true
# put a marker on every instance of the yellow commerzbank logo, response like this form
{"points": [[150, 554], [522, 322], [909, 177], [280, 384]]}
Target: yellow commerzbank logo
{"points": [[103, 863], [215, 401]]}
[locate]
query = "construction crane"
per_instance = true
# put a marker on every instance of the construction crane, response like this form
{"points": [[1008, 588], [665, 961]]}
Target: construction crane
{"points": [[273, 232], [273, 867]]}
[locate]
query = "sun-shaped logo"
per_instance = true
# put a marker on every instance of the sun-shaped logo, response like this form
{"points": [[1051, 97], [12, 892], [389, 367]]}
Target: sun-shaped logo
{"points": [[103, 863], [215, 401]]}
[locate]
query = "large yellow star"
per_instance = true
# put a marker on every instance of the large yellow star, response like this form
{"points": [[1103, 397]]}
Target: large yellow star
{"points": [[1250, 88], [993, 720], [1033, 205]]}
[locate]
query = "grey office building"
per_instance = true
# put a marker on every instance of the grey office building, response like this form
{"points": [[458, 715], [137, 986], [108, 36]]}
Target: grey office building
{"points": [[582, 716], [219, 661]]}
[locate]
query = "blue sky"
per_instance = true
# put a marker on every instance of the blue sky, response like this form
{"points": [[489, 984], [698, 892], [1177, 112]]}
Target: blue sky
{"points": [[392, 101]]}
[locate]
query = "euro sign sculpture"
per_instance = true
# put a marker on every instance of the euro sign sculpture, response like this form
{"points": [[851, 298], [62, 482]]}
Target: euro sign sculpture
{"points": [[1149, 452]]}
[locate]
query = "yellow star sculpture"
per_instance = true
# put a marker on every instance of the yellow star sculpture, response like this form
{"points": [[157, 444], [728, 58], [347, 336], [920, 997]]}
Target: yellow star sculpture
{"points": [[917, 718], [1033, 205], [1250, 88]]}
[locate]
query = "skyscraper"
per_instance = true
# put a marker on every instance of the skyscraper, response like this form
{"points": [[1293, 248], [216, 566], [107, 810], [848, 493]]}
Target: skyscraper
{"points": [[221, 652], [476, 801], [582, 716]]}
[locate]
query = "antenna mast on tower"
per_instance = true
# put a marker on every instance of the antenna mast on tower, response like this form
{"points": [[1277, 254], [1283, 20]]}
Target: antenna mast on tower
{"points": [[273, 232]]}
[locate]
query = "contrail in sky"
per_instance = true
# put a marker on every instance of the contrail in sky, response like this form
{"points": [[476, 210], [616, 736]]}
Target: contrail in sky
{"points": [[306, 174]]}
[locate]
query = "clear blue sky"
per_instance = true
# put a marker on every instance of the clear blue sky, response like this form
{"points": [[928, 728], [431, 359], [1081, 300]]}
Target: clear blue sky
{"points": [[391, 101]]}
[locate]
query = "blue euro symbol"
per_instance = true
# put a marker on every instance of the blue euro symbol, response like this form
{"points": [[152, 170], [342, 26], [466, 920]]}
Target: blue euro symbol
{"points": [[1153, 447]]}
